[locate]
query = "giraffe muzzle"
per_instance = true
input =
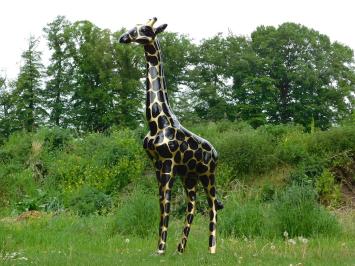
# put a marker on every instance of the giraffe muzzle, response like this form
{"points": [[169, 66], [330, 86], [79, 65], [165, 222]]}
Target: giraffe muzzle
{"points": [[125, 38]]}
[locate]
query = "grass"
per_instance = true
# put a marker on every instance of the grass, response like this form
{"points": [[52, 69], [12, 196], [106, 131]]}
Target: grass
{"points": [[72, 240]]}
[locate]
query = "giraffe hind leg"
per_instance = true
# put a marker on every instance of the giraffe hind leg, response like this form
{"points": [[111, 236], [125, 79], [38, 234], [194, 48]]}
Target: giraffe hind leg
{"points": [[190, 189], [208, 182]]}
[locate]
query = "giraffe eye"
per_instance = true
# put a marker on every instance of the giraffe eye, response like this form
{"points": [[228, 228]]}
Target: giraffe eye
{"points": [[147, 31]]}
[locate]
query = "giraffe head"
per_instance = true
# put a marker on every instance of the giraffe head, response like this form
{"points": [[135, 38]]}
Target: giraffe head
{"points": [[143, 34]]}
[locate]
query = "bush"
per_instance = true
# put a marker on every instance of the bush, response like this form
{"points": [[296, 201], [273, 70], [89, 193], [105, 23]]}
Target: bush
{"points": [[278, 132], [307, 171], [328, 190], [89, 200], [138, 215], [292, 148], [296, 211], [17, 148], [107, 163], [247, 152], [54, 138], [334, 140]]}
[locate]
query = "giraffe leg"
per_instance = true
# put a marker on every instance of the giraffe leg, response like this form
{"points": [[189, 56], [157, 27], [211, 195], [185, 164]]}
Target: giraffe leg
{"points": [[208, 182], [166, 181], [190, 189]]}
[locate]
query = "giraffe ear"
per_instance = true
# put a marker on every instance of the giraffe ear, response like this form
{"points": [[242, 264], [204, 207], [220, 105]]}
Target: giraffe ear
{"points": [[160, 28]]}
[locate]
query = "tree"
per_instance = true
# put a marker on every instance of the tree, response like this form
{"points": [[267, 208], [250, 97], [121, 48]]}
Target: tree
{"points": [[59, 72], [222, 66], [27, 96], [127, 89], [5, 110], [178, 58], [91, 52], [314, 77]]}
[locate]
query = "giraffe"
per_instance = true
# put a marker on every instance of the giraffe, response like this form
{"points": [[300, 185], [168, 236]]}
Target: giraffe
{"points": [[174, 150]]}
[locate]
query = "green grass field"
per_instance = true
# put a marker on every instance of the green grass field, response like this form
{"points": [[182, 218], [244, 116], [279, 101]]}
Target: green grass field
{"points": [[72, 240]]}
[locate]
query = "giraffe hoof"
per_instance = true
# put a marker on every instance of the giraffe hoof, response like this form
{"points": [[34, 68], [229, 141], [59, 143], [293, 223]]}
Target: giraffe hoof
{"points": [[180, 249], [160, 252], [212, 250]]}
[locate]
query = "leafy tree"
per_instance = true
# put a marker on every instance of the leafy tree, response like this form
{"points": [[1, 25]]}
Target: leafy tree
{"points": [[91, 51], [313, 76], [27, 95], [5, 109], [127, 89], [222, 66], [209, 79], [59, 72], [179, 54]]}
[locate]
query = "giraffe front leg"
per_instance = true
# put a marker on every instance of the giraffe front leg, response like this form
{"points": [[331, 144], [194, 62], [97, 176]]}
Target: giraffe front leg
{"points": [[190, 189], [166, 181], [208, 182]]}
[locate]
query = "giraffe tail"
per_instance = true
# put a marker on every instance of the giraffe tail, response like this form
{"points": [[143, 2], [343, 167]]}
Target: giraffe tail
{"points": [[219, 205]]}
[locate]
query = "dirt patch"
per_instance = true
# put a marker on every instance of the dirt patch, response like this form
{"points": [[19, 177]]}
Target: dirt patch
{"points": [[348, 194], [29, 215]]}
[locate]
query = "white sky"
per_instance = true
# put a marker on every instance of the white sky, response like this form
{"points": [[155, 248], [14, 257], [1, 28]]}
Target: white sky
{"points": [[199, 19]]}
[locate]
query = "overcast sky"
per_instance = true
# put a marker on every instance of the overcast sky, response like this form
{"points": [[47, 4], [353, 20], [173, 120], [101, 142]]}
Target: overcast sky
{"points": [[199, 19]]}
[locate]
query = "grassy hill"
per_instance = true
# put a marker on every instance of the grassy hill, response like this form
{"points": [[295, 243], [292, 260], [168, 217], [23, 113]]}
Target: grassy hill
{"points": [[92, 199]]}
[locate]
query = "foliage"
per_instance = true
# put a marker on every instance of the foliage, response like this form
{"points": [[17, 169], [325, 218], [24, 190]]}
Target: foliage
{"points": [[138, 215], [107, 163], [311, 76], [242, 219], [58, 164], [247, 152], [297, 212], [335, 140], [27, 96], [307, 171], [327, 189], [279, 75], [294, 210], [59, 72], [17, 148], [89, 200]]}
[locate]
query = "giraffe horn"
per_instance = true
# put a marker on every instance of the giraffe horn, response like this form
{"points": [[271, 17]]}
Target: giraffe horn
{"points": [[152, 21]]}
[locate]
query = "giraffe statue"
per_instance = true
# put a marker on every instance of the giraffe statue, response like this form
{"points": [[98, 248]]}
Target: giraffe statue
{"points": [[174, 150]]}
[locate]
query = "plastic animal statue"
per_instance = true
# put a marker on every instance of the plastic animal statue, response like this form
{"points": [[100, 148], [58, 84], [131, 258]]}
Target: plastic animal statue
{"points": [[174, 150]]}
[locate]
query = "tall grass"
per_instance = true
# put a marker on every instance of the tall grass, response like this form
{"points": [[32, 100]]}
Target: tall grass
{"points": [[137, 215], [294, 210]]}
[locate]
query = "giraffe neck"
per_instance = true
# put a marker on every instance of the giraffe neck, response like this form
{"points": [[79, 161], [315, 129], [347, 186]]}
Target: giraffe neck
{"points": [[157, 104]]}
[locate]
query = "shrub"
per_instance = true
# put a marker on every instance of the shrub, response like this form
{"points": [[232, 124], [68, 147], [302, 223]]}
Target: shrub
{"points": [[278, 132], [247, 153], [89, 200], [328, 190], [106, 162], [138, 215], [307, 171], [267, 192], [54, 138], [334, 140], [292, 148], [17, 148], [296, 211], [212, 131]]}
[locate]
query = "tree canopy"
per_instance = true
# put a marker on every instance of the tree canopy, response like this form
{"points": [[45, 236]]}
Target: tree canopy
{"points": [[283, 74]]}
